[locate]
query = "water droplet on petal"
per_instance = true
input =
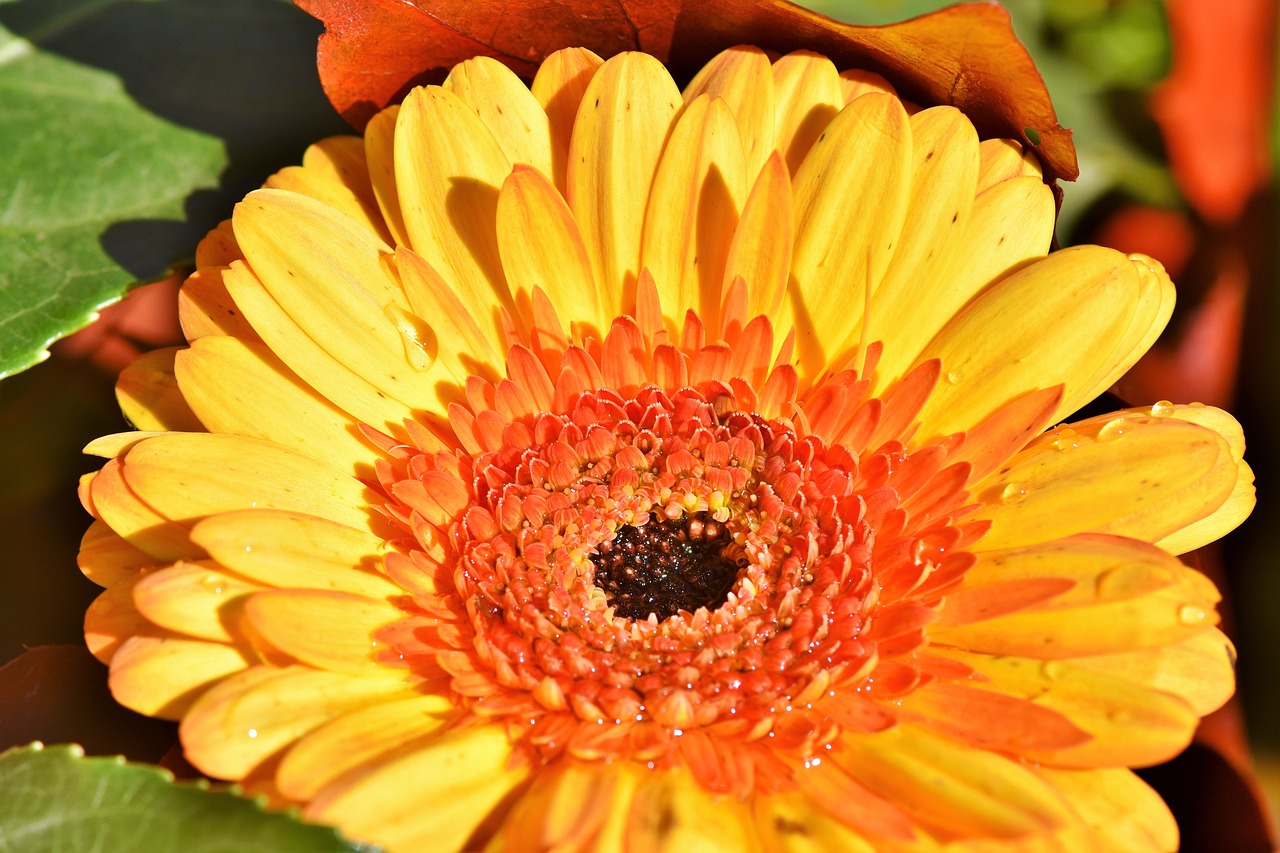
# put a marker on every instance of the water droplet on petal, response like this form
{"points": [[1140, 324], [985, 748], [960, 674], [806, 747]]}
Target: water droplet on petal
{"points": [[1114, 429], [1197, 405], [1053, 670], [253, 733], [1162, 409], [953, 377], [1013, 493], [1065, 439], [1190, 614], [419, 341]]}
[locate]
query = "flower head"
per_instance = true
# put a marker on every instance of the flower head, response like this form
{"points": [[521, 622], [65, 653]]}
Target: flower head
{"points": [[595, 465]]}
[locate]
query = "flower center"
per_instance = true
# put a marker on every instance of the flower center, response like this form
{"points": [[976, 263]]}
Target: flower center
{"points": [[665, 568]]}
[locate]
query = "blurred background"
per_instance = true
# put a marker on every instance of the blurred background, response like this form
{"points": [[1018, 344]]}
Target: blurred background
{"points": [[1172, 106]]}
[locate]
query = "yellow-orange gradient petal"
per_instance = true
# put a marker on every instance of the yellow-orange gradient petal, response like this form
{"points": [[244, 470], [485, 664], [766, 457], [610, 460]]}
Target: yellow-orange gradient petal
{"points": [[296, 551], [247, 718], [463, 774], [149, 397], [618, 135]]}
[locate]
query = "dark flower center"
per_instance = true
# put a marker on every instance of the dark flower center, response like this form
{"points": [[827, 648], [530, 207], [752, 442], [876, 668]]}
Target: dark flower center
{"points": [[666, 567]]}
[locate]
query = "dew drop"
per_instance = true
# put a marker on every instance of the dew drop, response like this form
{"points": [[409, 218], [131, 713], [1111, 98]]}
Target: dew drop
{"points": [[212, 583], [418, 339], [1053, 670], [1190, 614], [1114, 429], [1065, 439], [953, 377], [253, 733], [1162, 409], [1197, 405], [1013, 493]]}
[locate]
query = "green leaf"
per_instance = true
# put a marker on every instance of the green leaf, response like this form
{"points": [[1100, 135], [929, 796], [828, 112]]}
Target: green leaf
{"points": [[129, 128], [55, 799]]}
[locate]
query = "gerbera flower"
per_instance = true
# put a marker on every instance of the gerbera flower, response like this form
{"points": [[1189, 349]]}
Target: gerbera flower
{"points": [[601, 466]]}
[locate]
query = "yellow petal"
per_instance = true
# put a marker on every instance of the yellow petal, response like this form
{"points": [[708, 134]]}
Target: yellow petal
{"points": [[194, 599], [507, 107], [1127, 595], [205, 306], [379, 152], [558, 85], [188, 476], [743, 78], [1147, 320], [1129, 724], [1199, 669], [106, 558], [807, 96], [793, 823], [315, 365], [855, 82], [1010, 225], [148, 394], [242, 388], [1122, 810], [697, 192], [463, 775], [334, 171], [1227, 517], [247, 718], [163, 676], [958, 789], [851, 197], [1239, 503], [118, 444], [1056, 321], [1159, 475], [363, 736], [328, 277], [325, 629], [572, 805], [671, 811], [542, 247], [448, 171], [1003, 160], [761, 248], [296, 551], [136, 521], [944, 174], [618, 136]]}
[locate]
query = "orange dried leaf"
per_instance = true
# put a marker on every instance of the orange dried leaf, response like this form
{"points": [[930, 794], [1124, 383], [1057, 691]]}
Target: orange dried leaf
{"points": [[374, 51]]}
